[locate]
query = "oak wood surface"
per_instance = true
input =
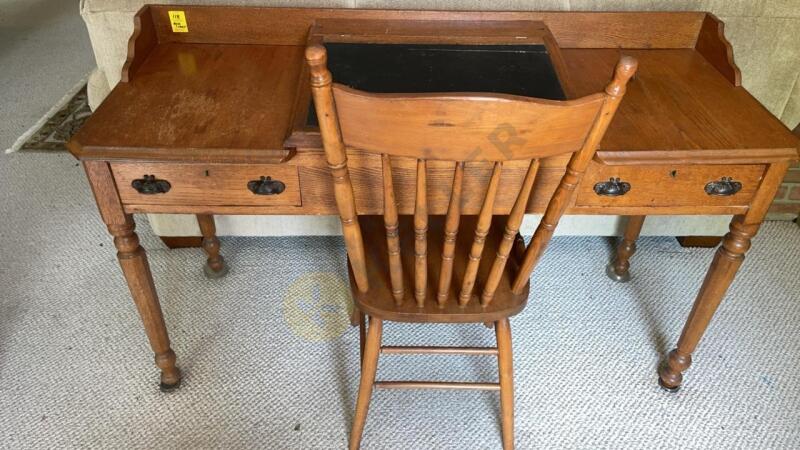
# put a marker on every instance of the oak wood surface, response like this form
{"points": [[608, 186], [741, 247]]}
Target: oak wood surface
{"points": [[424, 31], [445, 127], [715, 48], [727, 260], [414, 126], [669, 185], [620, 264], [681, 109], [208, 184], [141, 43], [288, 26], [135, 268], [199, 102], [378, 300], [684, 109], [215, 263], [316, 188]]}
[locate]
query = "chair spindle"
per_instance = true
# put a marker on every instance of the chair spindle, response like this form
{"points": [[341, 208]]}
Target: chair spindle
{"points": [[510, 234], [450, 234], [421, 235], [392, 231], [481, 230]]}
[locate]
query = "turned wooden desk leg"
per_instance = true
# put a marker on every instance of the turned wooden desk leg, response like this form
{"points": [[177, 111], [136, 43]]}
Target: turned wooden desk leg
{"points": [[215, 266], [726, 262], [133, 260], [619, 267]]}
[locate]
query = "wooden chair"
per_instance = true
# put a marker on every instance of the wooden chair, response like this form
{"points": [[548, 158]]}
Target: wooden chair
{"points": [[457, 128]]}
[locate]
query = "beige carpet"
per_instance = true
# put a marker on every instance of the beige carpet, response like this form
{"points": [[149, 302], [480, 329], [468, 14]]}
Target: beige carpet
{"points": [[270, 362]]}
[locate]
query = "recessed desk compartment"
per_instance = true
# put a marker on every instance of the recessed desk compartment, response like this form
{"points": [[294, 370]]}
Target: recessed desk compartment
{"points": [[525, 70], [208, 184]]}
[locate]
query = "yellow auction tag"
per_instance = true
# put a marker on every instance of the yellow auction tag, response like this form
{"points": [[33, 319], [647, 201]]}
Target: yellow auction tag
{"points": [[178, 20]]}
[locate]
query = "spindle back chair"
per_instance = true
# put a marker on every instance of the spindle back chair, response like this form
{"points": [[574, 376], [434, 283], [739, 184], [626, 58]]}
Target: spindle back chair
{"points": [[463, 128]]}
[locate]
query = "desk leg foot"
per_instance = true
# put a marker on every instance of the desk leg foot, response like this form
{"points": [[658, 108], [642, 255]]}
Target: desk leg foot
{"points": [[170, 374], [726, 263], [727, 260], [133, 260], [619, 268], [215, 265]]}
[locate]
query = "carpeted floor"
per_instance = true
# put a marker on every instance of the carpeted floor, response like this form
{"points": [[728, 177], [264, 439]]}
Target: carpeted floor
{"points": [[270, 363], [44, 52]]}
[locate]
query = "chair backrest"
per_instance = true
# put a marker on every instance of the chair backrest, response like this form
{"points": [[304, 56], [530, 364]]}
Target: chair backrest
{"points": [[462, 128]]}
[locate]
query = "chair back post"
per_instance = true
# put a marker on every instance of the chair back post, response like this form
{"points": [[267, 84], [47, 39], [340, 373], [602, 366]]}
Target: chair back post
{"points": [[321, 79], [625, 69]]}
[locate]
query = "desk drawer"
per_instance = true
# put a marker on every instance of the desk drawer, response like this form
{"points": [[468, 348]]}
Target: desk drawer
{"points": [[670, 186], [207, 184]]}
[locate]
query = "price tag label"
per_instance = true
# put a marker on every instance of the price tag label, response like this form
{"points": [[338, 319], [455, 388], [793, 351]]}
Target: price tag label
{"points": [[178, 21]]}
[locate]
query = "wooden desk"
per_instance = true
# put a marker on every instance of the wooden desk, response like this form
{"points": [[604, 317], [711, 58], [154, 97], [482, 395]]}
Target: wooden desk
{"points": [[210, 116]]}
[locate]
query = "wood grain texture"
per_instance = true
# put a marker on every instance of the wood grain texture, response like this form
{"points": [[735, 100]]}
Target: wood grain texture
{"points": [[425, 31], [289, 26], [482, 228], [614, 91], [208, 228], [336, 157], [680, 110], [446, 127], [669, 185], [505, 367], [452, 220], [369, 367], [510, 234], [366, 174], [421, 235], [715, 48], [141, 43], [208, 184], [379, 302], [135, 268], [626, 248], [727, 260], [390, 221], [183, 106]]}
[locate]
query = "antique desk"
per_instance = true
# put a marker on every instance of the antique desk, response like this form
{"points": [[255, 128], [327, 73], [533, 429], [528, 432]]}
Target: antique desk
{"points": [[212, 117]]}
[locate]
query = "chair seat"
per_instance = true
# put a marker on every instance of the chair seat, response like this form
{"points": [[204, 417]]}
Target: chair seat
{"points": [[379, 302]]}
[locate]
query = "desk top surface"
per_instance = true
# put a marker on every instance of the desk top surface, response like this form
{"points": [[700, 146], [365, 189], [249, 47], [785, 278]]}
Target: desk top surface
{"points": [[230, 102]]}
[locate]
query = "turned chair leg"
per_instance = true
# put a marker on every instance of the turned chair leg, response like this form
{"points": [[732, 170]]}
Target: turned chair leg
{"points": [[215, 265], [506, 369], [369, 368], [618, 268]]}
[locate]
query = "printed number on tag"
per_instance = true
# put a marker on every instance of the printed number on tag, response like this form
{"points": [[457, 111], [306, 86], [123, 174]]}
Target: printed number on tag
{"points": [[178, 20]]}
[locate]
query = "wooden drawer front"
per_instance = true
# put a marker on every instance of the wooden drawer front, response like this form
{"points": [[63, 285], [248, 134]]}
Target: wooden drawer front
{"points": [[207, 184], [669, 186]]}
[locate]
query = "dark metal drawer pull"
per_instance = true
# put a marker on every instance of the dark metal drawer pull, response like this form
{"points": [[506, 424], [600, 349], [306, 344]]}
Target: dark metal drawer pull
{"points": [[724, 187], [266, 186], [612, 188], [149, 185]]}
